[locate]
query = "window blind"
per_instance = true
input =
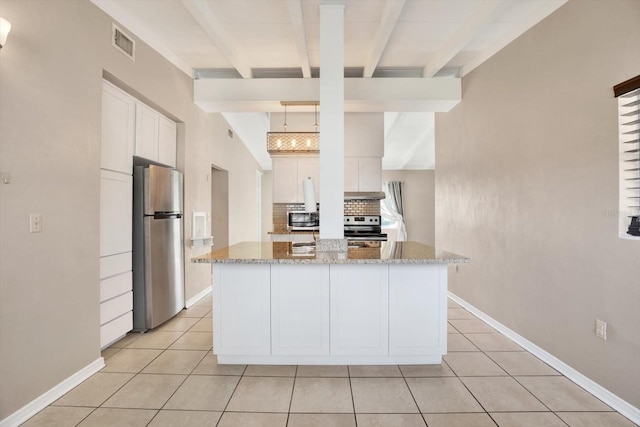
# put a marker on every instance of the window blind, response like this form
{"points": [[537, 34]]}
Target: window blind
{"points": [[629, 137]]}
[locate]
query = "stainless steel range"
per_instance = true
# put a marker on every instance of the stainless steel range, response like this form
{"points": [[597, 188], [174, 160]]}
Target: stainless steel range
{"points": [[363, 228]]}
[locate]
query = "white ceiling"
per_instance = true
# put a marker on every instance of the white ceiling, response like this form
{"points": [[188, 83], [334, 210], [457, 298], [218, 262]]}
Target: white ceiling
{"points": [[280, 38]]}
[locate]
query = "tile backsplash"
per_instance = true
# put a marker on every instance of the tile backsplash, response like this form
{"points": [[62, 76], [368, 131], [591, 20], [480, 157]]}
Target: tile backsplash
{"points": [[351, 207], [362, 207]]}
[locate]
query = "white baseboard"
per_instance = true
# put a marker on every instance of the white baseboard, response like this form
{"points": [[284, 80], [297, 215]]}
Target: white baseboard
{"points": [[618, 404], [192, 301], [44, 400]]}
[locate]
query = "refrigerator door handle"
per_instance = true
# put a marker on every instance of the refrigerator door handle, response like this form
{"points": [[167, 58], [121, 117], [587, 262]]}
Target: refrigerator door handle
{"points": [[166, 215]]}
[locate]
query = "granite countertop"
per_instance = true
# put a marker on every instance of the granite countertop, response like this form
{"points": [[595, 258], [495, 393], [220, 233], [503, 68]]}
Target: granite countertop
{"points": [[283, 253]]}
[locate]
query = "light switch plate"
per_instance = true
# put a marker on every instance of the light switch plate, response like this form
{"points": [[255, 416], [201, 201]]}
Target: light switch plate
{"points": [[601, 329], [35, 223]]}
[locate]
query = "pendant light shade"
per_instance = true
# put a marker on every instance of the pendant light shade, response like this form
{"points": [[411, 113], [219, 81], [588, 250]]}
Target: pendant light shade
{"points": [[294, 142]]}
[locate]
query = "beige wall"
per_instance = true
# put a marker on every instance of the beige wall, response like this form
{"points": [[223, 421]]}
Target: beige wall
{"points": [[419, 202], [526, 178], [50, 103]]}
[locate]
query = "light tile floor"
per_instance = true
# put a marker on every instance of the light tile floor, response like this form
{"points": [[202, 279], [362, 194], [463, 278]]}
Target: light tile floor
{"points": [[169, 377]]}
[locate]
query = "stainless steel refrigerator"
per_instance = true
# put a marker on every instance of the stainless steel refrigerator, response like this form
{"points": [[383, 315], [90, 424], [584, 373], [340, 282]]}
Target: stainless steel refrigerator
{"points": [[158, 255]]}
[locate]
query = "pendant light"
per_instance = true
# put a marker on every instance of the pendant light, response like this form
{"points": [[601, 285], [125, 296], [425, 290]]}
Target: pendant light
{"points": [[287, 142]]}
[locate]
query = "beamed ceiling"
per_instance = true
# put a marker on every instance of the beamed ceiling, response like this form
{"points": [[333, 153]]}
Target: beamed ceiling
{"points": [[257, 39]]}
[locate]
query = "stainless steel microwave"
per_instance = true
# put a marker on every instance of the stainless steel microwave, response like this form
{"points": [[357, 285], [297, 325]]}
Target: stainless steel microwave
{"points": [[299, 220]]}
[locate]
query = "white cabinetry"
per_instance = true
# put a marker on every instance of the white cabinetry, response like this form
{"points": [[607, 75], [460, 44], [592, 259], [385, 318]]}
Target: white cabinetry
{"points": [[308, 167], [116, 162], [288, 174], [300, 310], [359, 310], [285, 179], [155, 136], [116, 298], [417, 297], [330, 313], [115, 212], [241, 309], [146, 132], [167, 137], [118, 129], [362, 174]]}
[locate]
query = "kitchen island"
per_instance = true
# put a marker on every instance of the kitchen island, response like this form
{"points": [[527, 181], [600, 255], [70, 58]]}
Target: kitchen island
{"points": [[278, 303]]}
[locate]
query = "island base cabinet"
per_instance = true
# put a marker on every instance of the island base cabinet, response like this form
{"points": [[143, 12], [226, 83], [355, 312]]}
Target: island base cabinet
{"points": [[241, 309], [300, 310], [369, 314], [359, 310], [417, 298]]}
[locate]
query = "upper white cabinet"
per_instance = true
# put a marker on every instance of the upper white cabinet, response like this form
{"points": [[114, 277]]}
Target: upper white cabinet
{"points": [[147, 121], [130, 128], [308, 167], [362, 174], [167, 136], [118, 129], [288, 174], [155, 136], [285, 179]]}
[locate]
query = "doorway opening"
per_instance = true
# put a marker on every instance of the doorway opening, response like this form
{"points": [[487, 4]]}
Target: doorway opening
{"points": [[220, 207]]}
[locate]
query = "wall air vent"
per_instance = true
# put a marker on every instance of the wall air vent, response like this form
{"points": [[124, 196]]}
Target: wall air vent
{"points": [[123, 42]]}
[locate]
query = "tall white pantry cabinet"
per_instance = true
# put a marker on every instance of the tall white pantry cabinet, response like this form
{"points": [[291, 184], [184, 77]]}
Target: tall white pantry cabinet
{"points": [[125, 133]]}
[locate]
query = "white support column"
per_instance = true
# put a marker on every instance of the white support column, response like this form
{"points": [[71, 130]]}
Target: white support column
{"points": [[332, 123]]}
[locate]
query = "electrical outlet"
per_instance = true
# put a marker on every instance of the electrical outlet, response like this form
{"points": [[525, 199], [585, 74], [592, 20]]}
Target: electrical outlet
{"points": [[35, 223], [601, 329]]}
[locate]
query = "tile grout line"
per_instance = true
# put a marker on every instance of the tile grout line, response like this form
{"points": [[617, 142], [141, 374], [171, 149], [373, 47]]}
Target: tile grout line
{"points": [[412, 396], [293, 389], [353, 401], [510, 376], [144, 367], [232, 393]]}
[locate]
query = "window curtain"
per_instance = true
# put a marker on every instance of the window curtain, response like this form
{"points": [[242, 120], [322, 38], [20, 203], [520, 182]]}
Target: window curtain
{"points": [[392, 207]]}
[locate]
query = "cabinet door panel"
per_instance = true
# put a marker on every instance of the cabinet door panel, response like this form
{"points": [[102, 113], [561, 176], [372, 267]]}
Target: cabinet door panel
{"points": [[115, 285], [115, 307], [116, 329], [285, 180], [167, 141], [115, 264], [146, 132], [241, 309], [370, 174], [115, 213], [300, 309], [417, 309], [309, 168], [118, 129], [359, 310]]}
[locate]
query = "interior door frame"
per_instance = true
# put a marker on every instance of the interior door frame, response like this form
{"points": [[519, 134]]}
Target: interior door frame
{"points": [[219, 206]]}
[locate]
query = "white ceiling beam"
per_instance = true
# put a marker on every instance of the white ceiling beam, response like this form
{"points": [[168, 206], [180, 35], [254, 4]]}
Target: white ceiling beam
{"points": [[484, 13], [297, 22], [388, 22], [202, 13], [360, 94]]}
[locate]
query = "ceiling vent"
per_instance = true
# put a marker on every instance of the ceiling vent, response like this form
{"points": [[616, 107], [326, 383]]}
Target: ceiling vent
{"points": [[123, 42]]}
